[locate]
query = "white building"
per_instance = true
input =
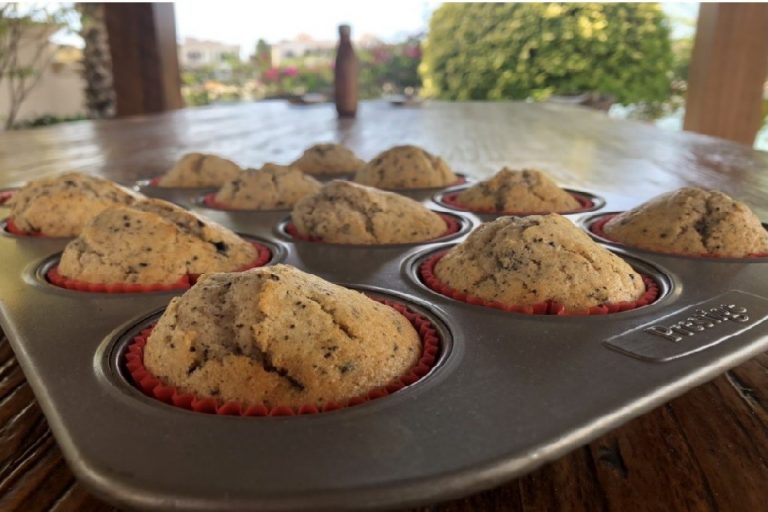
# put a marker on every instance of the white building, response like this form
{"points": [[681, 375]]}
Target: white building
{"points": [[196, 53], [305, 47], [60, 91]]}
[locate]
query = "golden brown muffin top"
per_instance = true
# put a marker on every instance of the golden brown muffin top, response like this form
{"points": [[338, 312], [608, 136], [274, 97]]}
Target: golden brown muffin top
{"points": [[406, 167], [345, 212], [61, 205], [328, 159], [152, 242], [534, 259], [200, 170], [524, 191], [279, 336], [691, 221], [269, 188]]}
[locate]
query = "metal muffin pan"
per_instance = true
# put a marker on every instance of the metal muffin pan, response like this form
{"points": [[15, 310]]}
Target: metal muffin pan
{"points": [[511, 391]]}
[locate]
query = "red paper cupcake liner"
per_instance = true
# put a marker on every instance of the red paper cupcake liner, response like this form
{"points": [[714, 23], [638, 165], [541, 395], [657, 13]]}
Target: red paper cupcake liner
{"points": [[453, 226], [550, 307], [155, 388], [6, 195], [13, 229], [452, 199], [597, 227], [55, 278], [209, 200]]}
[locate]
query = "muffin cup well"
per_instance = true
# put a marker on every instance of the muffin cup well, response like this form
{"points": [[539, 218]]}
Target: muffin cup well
{"points": [[597, 225], [453, 226], [155, 388], [452, 200], [426, 272], [54, 277]]}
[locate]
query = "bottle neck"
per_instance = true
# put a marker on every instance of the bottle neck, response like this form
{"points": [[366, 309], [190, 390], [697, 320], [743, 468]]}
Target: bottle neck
{"points": [[344, 33]]}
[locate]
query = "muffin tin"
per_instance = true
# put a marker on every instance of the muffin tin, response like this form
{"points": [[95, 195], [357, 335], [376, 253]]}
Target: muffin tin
{"points": [[509, 392]]}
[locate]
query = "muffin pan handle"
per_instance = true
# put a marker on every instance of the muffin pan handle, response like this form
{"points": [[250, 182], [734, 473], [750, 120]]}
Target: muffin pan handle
{"points": [[693, 328]]}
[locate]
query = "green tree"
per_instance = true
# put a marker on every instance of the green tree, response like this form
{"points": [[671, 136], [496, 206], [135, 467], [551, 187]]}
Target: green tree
{"points": [[519, 51], [97, 62], [262, 55]]}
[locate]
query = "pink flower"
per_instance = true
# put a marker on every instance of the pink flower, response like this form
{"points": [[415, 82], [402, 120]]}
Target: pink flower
{"points": [[290, 71], [413, 52], [272, 75], [381, 55]]}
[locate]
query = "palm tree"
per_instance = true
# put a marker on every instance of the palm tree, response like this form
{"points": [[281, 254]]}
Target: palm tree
{"points": [[97, 62]]}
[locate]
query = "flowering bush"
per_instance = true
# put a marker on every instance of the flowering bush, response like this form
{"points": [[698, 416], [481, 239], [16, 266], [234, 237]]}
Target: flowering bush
{"points": [[392, 67], [292, 80], [271, 75]]}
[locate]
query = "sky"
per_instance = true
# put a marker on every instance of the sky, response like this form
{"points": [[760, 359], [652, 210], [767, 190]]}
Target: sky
{"points": [[683, 16], [244, 23]]}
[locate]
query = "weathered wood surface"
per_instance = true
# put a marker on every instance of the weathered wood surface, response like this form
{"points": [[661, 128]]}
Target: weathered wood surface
{"points": [[706, 450], [727, 71]]}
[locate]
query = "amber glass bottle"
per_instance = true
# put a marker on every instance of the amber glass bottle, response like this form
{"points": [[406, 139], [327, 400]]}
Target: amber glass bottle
{"points": [[345, 75]]}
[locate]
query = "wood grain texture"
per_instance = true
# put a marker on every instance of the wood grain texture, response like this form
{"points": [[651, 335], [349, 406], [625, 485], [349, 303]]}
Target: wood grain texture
{"points": [[706, 450], [145, 67], [727, 71]]}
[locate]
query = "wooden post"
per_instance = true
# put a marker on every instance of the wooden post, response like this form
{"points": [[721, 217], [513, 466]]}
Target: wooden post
{"points": [[145, 66], [728, 70]]}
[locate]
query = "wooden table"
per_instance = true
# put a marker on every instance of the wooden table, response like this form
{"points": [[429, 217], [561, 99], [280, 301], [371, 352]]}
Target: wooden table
{"points": [[706, 450]]}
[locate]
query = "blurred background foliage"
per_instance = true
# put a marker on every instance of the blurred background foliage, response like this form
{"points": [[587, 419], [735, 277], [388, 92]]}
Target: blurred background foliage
{"points": [[613, 52], [617, 57], [384, 68], [599, 55]]}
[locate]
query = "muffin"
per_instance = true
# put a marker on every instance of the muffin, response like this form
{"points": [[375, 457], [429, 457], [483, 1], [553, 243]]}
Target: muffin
{"points": [[531, 260], [527, 191], [200, 170], [347, 213], [406, 167], [328, 159], [272, 187], [278, 336], [691, 221], [152, 242], [62, 205]]}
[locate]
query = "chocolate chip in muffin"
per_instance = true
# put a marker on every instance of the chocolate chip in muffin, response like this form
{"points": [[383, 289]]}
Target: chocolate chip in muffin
{"points": [[691, 221], [152, 242], [511, 261], [255, 345], [345, 212], [403, 167]]}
